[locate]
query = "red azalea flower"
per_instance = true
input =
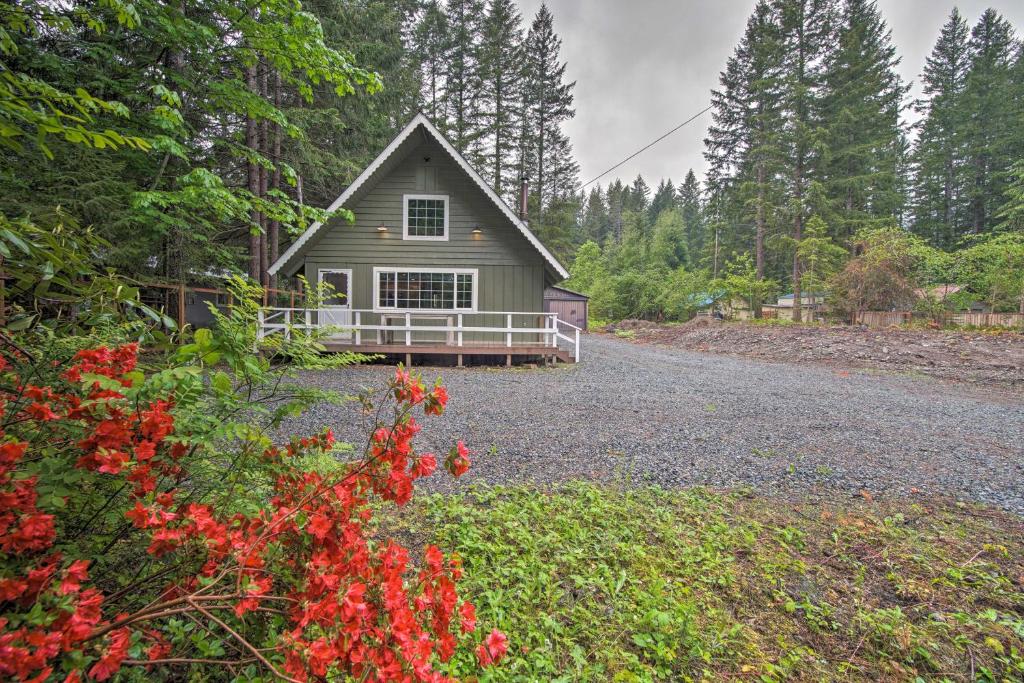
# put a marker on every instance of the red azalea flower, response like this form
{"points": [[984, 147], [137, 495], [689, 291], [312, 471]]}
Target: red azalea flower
{"points": [[493, 649], [467, 612]]}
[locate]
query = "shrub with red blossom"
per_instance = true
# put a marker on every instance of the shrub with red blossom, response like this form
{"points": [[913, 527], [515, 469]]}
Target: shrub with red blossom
{"points": [[141, 529]]}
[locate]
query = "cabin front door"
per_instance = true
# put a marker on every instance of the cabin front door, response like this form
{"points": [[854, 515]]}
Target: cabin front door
{"points": [[336, 310]]}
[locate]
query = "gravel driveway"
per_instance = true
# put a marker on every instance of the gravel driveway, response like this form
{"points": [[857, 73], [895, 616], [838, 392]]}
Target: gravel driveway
{"points": [[677, 418]]}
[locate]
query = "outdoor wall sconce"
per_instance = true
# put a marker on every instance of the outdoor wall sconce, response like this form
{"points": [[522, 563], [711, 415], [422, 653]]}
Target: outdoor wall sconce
{"points": [[477, 231], [382, 228]]}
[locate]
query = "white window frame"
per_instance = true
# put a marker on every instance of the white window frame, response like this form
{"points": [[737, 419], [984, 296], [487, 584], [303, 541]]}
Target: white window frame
{"points": [[475, 272], [405, 218]]}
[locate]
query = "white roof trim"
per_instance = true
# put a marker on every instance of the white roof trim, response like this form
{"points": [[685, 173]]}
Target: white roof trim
{"points": [[419, 120]]}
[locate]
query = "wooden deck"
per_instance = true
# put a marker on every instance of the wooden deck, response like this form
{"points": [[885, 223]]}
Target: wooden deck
{"points": [[460, 334]]}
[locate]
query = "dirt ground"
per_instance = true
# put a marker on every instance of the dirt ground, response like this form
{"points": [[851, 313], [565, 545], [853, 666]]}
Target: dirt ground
{"points": [[983, 358]]}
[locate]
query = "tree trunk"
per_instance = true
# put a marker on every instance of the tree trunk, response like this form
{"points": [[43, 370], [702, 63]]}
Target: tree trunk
{"points": [[274, 231], [498, 151], [252, 136], [798, 233], [756, 303], [264, 182], [798, 169]]}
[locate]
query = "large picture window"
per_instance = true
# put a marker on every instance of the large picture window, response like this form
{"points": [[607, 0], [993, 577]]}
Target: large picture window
{"points": [[412, 290], [426, 217]]}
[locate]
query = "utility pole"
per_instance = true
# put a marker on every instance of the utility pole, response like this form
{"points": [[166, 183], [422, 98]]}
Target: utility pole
{"points": [[715, 269]]}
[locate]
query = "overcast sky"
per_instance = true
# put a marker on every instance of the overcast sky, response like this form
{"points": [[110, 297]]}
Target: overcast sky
{"points": [[644, 66]]}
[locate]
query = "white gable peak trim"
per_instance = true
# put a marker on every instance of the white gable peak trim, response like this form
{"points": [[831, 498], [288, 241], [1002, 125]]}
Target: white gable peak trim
{"points": [[421, 120]]}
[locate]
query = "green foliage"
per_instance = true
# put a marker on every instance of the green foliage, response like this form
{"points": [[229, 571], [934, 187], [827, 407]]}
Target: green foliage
{"points": [[52, 278], [820, 257], [741, 282], [993, 270], [640, 584], [1012, 212], [668, 240], [153, 164], [588, 269], [650, 290], [891, 264]]}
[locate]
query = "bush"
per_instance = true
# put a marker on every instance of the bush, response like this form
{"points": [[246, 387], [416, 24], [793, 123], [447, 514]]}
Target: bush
{"points": [[149, 523]]}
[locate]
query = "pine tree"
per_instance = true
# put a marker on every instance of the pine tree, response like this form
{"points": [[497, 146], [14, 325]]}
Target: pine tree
{"points": [[595, 223], [938, 158], [562, 173], [462, 73], [668, 240], [806, 33], [691, 208], [743, 144], [638, 197], [501, 71], [432, 44], [991, 128], [615, 208], [547, 103], [861, 109], [664, 198], [343, 134]]}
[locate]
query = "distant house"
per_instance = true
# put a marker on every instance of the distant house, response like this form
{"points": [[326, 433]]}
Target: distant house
{"points": [[435, 262], [938, 292], [813, 304], [807, 300]]}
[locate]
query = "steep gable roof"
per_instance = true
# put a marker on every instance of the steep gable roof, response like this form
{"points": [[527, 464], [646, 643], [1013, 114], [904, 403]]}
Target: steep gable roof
{"points": [[382, 161]]}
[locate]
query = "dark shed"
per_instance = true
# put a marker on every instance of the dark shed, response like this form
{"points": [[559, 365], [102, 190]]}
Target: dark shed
{"points": [[570, 306]]}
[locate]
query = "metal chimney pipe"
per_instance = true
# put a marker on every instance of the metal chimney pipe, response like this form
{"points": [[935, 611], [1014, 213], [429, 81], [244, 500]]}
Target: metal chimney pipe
{"points": [[524, 195]]}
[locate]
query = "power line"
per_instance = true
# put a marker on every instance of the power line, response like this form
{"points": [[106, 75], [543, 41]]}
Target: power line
{"points": [[647, 147]]}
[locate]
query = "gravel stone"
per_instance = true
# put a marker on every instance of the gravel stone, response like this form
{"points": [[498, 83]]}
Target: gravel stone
{"points": [[639, 415]]}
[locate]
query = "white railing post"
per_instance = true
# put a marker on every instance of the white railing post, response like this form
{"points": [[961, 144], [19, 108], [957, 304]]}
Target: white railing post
{"points": [[554, 330], [408, 329], [309, 320], [359, 332], [261, 318], [460, 328], [508, 335], [577, 345], [288, 323]]}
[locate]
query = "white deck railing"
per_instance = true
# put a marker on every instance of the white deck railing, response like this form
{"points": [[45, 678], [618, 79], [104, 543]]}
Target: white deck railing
{"points": [[455, 328]]}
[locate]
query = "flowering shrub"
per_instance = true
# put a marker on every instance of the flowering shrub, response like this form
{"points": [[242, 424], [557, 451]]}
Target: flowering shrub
{"points": [[120, 550]]}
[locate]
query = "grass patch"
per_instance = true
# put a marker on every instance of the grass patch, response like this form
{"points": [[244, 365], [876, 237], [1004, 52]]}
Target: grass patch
{"points": [[599, 584]]}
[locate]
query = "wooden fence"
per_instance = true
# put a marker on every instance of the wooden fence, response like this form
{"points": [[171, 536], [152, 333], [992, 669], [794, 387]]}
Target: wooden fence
{"points": [[890, 318]]}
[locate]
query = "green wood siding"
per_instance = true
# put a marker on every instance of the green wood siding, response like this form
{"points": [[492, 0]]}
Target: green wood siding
{"points": [[511, 273]]}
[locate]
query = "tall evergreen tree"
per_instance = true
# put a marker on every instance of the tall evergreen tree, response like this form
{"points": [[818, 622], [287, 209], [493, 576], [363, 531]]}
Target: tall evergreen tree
{"points": [[595, 221], [462, 73], [938, 157], [992, 132], [691, 208], [639, 195], [501, 72], [863, 139], [548, 103], [432, 44], [343, 134], [615, 207], [664, 198], [743, 144], [806, 27]]}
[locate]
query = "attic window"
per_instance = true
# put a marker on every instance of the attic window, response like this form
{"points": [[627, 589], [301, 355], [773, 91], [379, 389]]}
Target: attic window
{"points": [[425, 217]]}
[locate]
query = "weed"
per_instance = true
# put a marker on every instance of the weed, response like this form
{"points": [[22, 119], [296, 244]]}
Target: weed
{"points": [[598, 584]]}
